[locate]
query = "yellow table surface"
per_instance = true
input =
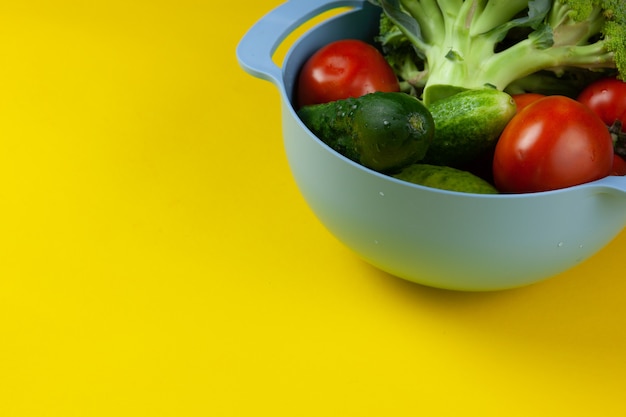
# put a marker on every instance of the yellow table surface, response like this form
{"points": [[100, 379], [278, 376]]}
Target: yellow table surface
{"points": [[157, 259]]}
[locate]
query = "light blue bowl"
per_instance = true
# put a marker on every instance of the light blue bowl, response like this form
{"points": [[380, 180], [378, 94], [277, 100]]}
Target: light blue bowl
{"points": [[433, 237]]}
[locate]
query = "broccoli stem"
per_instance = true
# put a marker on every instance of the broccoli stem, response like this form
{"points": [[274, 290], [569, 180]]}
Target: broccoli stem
{"points": [[494, 14], [431, 28], [481, 68]]}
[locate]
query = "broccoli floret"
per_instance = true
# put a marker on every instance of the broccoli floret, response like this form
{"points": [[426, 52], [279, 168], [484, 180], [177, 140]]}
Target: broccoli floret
{"points": [[442, 46]]}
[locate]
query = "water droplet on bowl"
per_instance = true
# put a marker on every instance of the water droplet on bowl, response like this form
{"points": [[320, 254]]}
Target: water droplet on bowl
{"points": [[560, 244]]}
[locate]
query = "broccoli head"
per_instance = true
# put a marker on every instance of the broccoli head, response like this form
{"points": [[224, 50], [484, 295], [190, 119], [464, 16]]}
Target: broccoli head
{"points": [[438, 47]]}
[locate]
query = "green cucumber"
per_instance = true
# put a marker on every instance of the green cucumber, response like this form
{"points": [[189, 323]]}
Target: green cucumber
{"points": [[445, 178], [382, 131], [467, 125]]}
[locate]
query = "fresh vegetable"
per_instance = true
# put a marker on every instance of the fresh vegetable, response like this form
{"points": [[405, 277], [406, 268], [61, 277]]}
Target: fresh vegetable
{"points": [[384, 131], [524, 99], [343, 69], [438, 48], [445, 178], [619, 166], [467, 125], [555, 142], [606, 98]]}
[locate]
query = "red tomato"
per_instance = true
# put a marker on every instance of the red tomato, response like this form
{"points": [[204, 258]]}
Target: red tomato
{"points": [[555, 142], [524, 99], [343, 69], [619, 166], [606, 98]]}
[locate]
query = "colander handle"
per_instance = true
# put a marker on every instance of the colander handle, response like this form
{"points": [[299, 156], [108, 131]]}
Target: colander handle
{"points": [[256, 48]]}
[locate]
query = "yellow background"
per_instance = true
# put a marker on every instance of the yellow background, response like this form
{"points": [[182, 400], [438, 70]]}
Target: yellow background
{"points": [[156, 258]]}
